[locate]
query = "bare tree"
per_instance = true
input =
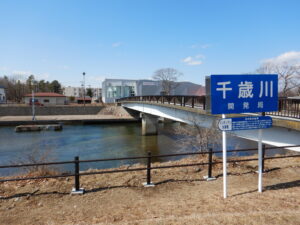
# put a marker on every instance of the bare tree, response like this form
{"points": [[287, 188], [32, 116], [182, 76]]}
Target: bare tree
{"points": [[15, 89], [168, 78], [197, 137], [288, 75]]}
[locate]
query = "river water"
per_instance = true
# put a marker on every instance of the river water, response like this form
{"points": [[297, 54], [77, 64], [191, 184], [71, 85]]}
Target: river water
{"points": [[91, 142]]}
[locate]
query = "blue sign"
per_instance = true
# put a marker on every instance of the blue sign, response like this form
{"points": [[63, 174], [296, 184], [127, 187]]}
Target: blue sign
{"points": [[244, 93], [245, 123]]}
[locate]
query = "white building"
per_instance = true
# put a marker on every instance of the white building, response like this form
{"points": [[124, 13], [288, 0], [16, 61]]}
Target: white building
{"points": [[78, 92], [73, 91], [46, 98], [113, 89], [97, 93], [2, 95]]}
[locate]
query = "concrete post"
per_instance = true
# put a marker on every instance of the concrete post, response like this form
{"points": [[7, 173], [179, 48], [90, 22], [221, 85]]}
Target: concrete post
{"points": [[149, 124]]}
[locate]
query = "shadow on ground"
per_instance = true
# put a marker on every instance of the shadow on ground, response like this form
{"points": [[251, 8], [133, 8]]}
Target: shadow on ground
{"points": [[284, 185]]}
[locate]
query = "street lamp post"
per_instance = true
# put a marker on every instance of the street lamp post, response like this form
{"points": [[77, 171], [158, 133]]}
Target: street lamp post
{"points": [[32, 105], [83, 88], [33, 101]]}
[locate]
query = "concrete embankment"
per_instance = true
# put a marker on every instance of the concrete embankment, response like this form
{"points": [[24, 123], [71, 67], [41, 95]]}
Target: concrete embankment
{"points": [[12, 116], [49, 110], [65, 119]]}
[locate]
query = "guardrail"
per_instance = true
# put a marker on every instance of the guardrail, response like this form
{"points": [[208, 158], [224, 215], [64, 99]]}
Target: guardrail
{"points": [[76, 162], [185, 101], [286, 107]]}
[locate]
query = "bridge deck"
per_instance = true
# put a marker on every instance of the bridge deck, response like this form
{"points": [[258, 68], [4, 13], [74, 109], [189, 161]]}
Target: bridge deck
{"points": [[286, 129]]}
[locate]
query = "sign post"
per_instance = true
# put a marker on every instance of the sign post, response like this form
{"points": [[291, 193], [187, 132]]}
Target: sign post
{"points": [[243, 94], [246, 123], [260, 160], [224, 149]]}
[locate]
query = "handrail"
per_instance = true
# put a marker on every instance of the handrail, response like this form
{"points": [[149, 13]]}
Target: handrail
{"points": [[141, 157], [287, 107]]}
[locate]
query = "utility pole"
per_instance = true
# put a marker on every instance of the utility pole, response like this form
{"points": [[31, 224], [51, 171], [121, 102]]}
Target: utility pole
{"points": [[83, 88], [33, 105]]}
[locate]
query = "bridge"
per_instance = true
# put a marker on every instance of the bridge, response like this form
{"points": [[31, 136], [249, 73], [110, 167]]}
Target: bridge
{"points": [[193, 109]]}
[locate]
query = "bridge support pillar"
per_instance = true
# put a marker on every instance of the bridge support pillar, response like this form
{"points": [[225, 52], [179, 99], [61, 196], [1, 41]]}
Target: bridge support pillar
{"points": [[149, 124]]}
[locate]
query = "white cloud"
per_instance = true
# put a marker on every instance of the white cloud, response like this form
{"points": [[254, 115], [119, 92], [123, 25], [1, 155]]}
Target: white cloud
{"points": [[203, 46], [116, 44], [291, 57], [193, 61]]}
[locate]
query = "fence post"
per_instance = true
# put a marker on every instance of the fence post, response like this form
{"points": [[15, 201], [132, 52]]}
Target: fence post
{"points": [[209, 176], [263, 157], [148, 183], [77, 189]]}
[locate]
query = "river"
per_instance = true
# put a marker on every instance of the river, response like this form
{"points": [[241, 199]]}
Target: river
{"points": [[91, 142]]}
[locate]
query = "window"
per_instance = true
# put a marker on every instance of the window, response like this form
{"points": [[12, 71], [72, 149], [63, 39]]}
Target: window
{"points": [[114, 92], [46, 100], [128, 91]]}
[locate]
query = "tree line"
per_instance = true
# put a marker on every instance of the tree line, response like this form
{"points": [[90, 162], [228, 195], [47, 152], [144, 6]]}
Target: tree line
{"points": [[288, 77], [17, 88]]}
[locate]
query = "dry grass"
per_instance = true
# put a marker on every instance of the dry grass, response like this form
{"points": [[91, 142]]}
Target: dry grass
{"points": [[180, 196]]}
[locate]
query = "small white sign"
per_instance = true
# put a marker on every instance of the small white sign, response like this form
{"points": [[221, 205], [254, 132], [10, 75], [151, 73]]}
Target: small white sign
{"points": [[245, 123], [225, 124]]}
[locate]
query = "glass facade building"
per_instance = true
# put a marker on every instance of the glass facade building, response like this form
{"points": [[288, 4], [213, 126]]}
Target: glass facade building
{"points": [[113, 89]]}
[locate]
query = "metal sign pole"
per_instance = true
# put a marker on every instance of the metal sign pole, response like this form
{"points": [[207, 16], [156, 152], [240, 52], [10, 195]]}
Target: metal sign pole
{"points": [[224, 161], [260, 160], [233, 94]]}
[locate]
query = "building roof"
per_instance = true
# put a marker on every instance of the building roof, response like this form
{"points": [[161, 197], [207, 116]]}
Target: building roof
{"points": [[45, 94]]}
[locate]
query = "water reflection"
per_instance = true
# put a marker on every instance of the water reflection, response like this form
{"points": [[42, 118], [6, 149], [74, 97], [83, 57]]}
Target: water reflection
{"points": [[94, 141]]}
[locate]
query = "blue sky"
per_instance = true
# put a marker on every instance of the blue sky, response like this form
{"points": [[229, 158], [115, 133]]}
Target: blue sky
{"points": [[130, 39]]}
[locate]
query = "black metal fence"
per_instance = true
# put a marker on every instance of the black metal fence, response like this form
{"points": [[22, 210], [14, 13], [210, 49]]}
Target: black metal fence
{"points": [[77, 174], [286, 107]]}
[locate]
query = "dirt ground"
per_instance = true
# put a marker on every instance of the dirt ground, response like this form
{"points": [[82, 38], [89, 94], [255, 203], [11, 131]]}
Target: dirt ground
{"points": [[180, 196]]}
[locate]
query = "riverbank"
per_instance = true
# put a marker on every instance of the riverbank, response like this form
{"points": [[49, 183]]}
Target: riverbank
{"points": [[77, 115], [66, 119], [180, 196]]}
